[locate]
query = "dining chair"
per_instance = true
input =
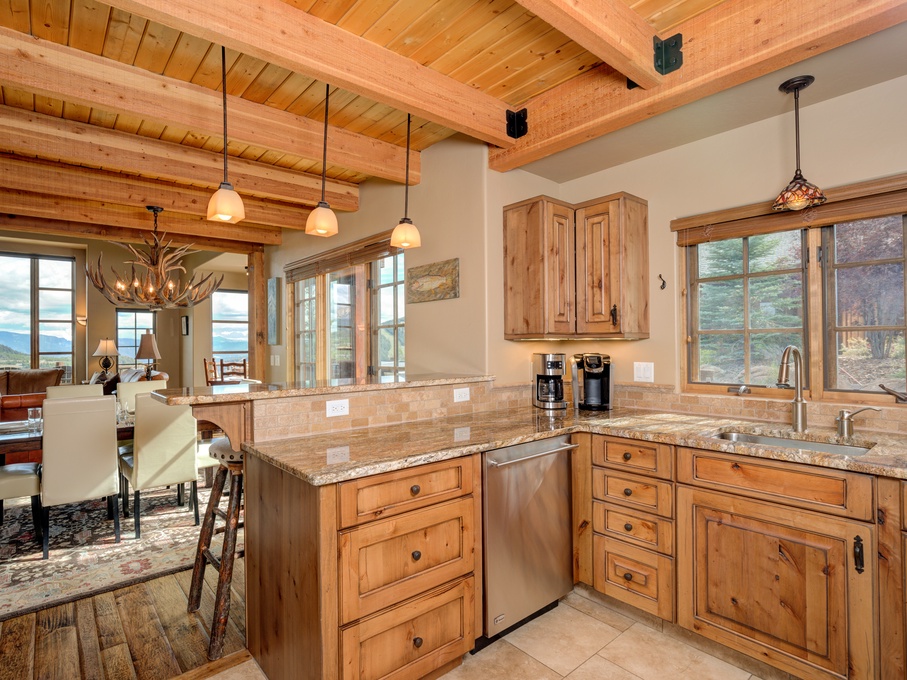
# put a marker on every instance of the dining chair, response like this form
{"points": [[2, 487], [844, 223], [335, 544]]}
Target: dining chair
{"points": [[163, 454], [127, 392], [80, 456], [233, 370], [68, 391], [18, 480], [211, 372]]}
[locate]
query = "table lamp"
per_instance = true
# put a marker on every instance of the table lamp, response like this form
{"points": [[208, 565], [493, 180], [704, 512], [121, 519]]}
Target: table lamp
{"points": [[106, 348], [148, 350]]}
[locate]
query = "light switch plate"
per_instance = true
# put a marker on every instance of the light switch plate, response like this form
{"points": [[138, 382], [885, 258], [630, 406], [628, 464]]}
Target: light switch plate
{"points": [[643, 371]]}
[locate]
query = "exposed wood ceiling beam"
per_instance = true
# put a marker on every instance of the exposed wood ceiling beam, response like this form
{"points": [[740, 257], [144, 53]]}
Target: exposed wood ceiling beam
{"points": [[283, 35], [92, 212], [26, 133], [731, 43], [103, 232], [73, 181], [61, 72], [609, 29]]}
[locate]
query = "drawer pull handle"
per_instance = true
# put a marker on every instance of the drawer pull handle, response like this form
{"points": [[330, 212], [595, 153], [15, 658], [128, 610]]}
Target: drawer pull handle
{"points": [[415, 489], [628, 576], [735, 466], [417, 642], [858, 554], [628, 492], [416, 555], [628, 527], [627, 455]]}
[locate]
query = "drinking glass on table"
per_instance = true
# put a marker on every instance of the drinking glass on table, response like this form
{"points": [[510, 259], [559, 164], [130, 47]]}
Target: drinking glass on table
{"points": [[35, 419]]}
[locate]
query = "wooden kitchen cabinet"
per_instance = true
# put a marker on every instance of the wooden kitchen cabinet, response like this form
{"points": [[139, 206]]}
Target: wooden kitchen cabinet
{"points": [[376, 577], [891, 520], [576, 271], [790, 586]]}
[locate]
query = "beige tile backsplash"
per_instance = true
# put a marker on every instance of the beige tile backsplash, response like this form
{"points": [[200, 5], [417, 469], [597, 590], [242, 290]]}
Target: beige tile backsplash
{"points": [[301, 416]]}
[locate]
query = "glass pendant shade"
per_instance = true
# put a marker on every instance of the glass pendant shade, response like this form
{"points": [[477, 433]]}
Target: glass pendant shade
{"points": [[405, 235], [799, 194], [226, 205], [321, 221]]}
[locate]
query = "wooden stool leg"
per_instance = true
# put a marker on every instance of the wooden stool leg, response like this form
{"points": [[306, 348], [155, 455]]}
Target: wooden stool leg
{"points": [[225, 577], [204, 539]]}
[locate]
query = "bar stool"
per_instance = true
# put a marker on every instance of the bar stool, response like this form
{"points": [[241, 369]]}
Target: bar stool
{"points": [[230, 461]]}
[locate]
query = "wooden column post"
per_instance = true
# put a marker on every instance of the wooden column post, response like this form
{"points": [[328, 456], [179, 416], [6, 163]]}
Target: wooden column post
{"points": [[258, 316]]}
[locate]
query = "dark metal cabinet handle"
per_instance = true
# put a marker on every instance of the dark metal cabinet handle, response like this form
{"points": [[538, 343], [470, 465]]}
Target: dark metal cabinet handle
{"points": [[628, 527], [628, 576], [417, 642], [415, 489], [858, 554], [627, 455], [417, 555], [614, 315], [628, 492]]}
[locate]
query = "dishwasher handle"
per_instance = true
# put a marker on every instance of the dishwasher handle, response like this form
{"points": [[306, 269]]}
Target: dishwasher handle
{"points": [[497, 464]]}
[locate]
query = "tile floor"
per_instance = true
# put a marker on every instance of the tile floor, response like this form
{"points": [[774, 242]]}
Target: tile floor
{"points": [[580, 639]]}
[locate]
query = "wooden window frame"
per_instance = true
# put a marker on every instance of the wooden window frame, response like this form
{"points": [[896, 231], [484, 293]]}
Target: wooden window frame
{"points": [[864, 200]]}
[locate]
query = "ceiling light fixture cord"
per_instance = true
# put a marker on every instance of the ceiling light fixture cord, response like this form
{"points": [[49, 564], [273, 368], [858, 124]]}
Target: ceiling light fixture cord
{"points": [[406, 190], [223, 80], [324, 157]]}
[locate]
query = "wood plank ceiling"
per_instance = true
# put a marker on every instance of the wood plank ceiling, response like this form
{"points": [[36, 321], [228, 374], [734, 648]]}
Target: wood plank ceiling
{"points": [[105, 108]]}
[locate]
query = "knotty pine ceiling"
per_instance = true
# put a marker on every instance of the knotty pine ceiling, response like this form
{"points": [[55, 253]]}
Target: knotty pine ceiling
{"points": [[495, 47]]}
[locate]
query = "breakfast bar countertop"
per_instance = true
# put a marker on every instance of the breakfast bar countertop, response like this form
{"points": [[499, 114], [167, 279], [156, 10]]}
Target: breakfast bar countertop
{"points": [[340, 456]]}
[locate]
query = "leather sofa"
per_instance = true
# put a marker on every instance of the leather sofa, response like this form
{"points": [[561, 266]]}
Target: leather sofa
{"points": [[25, 388]]}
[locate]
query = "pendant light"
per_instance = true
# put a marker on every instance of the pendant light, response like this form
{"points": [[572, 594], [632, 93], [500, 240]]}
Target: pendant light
{"points": [[225, 205], [322, 221], [405, 234], [799, 194]]}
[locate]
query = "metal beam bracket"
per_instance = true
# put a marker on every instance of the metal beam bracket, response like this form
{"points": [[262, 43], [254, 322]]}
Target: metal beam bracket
{"points": [[668, 54], [517, 124]]}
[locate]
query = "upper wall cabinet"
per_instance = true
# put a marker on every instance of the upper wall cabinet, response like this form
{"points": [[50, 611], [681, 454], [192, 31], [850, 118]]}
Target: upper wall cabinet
{"points": [[576, 271]]}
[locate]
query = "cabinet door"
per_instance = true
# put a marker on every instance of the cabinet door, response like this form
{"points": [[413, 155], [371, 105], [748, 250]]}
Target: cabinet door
{"points": [[538, 269], [785, 585], [598, 270]]}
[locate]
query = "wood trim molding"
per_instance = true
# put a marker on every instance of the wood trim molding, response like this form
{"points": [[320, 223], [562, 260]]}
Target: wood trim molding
{"points": [[874, 198]]}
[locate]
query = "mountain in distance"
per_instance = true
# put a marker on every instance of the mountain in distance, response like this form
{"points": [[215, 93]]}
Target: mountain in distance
{"points": [[20, 342], [10, 357]]}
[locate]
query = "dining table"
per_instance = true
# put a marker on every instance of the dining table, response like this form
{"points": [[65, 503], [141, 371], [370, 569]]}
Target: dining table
{"points": [[16, 437]]}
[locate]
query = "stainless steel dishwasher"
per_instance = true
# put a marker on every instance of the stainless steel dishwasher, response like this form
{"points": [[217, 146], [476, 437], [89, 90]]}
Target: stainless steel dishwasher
{"points": [[528, 538]]}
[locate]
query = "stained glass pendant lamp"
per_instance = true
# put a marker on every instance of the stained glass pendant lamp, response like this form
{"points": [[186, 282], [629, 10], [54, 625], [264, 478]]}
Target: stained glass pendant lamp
{"points": [[799, 194]]}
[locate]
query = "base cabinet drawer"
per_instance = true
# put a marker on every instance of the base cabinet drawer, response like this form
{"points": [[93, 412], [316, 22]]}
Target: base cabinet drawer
{"points": [[633, 491], [638, 577], [632, 455], [413, 639], [632, 526], [386, 562]]}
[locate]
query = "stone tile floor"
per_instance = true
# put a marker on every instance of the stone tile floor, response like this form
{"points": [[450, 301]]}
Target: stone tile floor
{"points": [[580, 639]]}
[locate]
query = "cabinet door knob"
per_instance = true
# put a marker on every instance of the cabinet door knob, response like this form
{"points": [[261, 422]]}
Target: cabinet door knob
{"points": [[628, 576], [417, 642], [417, 555], [415, 489], [628, 527], [628, 492], [627, 455], [614, 315]]}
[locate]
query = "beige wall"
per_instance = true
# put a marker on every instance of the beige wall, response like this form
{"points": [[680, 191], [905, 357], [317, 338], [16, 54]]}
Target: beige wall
{"points": [[458, 209]]}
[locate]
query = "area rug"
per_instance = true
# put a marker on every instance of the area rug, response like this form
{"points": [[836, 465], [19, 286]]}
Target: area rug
{"points": [[84, 558]]}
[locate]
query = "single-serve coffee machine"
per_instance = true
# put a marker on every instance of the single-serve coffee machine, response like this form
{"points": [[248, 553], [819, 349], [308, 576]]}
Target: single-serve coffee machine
{"points": [[548, 372], [593, 389]]}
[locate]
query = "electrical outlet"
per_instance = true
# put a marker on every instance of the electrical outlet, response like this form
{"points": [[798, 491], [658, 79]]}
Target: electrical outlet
{"points": [[273, 359], [461, 434], [643, 371], [338, 407], [461, 394], [277, 360]]}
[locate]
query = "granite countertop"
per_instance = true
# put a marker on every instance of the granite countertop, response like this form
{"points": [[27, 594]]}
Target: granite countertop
{"points": [[224, 394], [339, 456]]}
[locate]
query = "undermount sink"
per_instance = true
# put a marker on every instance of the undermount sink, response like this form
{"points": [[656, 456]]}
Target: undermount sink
{"points": [[784, 442]]}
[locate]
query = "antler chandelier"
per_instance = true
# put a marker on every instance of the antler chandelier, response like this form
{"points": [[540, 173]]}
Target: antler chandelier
{"points": [[154, 282]]}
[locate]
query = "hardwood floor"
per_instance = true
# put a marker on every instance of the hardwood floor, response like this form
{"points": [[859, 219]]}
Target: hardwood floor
{"points": [[141, 631]]}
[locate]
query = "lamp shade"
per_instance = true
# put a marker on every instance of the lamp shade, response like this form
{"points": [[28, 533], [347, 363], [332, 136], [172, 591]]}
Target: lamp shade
{"points": [[321, 221], [148, 347], [106, 348], [405, 235], [226, 205]]}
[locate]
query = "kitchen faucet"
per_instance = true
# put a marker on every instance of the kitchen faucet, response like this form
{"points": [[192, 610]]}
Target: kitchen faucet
{"points": [[798, 405]]}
